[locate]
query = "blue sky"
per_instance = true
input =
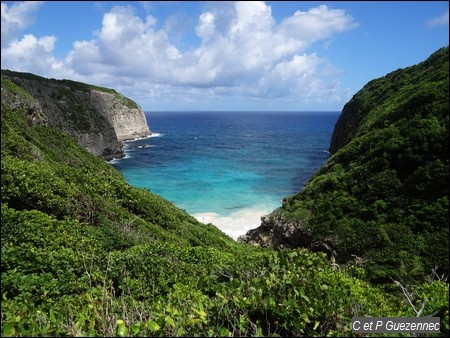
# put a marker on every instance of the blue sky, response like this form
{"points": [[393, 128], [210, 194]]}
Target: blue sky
{"points": [[183, 55]]}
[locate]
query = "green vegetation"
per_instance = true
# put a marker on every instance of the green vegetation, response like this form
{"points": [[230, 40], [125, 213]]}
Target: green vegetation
{"points": [[13, 88], [85, 254], [72, 86], [383, 195], [68, 97]]}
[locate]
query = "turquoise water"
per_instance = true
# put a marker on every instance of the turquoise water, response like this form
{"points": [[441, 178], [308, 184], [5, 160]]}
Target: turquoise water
{"points": [[228, 168]]}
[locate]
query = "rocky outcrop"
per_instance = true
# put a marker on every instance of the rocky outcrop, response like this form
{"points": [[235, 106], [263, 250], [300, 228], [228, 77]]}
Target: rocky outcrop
{"points": [[127, 120], [98, 118], [17, 98], [278, 232]]}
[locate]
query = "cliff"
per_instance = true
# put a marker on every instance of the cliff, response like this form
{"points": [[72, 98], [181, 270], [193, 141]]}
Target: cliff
{"points": [[98, 118], [383, 194], [381, 97]]}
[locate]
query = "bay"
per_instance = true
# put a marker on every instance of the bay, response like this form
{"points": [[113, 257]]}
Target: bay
{"points": [[228, 168]]}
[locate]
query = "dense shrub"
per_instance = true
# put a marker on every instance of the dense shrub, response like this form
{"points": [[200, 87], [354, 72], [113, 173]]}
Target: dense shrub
{"points": [[85, 254], [383, 195]]}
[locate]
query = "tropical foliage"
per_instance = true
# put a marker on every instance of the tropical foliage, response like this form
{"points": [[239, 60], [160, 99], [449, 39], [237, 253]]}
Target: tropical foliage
{"points": [[85, 254], [383, 195]]}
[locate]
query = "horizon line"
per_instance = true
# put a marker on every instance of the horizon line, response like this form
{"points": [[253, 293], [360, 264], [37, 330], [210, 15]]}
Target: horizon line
{"points": [[241, 111]]}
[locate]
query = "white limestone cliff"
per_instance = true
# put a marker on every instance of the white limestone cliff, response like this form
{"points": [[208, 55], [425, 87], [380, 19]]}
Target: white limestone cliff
{"points": [[98, 118]]}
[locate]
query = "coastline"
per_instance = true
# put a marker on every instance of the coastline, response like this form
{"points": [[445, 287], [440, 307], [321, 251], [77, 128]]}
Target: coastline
{"points": [[236, 223], [127, 142], [227, 169], [153, 134]]}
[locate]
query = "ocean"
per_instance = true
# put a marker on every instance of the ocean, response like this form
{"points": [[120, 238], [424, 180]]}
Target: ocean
{"points": [[228, 168]]}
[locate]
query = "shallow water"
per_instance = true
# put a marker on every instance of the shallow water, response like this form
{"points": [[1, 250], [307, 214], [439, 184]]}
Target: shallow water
{"points": [[228, 168]]}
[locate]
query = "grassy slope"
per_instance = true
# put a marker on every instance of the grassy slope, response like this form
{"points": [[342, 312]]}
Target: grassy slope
{"points": [[71, 86], [84, 253], [384, 194]]}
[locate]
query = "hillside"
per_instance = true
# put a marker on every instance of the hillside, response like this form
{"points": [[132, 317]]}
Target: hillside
{"points": [[383, 195], [98, 118], [86, 254]]}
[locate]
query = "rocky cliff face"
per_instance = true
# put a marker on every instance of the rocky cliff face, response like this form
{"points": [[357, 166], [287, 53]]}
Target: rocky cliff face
{"points": [[98, 118], [127, 120], [346, 125], [276, 231], [370, 100], [17, 98]]}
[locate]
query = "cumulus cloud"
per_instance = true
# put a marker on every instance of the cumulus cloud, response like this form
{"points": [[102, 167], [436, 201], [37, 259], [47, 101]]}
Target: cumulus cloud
{"points": [[317, 23], [242, 52], [16, 17], [206, 26], [32, 54], [26, 53], [441, 20]]}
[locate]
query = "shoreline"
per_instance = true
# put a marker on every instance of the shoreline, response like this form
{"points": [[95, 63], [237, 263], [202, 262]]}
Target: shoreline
{"points": [[152, 134], [125, 143], [236, 223]]}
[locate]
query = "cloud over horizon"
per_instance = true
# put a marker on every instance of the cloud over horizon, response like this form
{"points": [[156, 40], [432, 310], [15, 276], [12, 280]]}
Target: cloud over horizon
{"points": [[242, 52]]}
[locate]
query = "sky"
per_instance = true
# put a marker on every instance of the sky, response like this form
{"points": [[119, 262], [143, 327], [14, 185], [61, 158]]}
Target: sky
{"points": [[222, 56]]}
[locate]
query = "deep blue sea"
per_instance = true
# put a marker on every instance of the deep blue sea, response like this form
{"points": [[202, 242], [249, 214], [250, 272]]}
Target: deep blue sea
{"points": [[228, 168]]}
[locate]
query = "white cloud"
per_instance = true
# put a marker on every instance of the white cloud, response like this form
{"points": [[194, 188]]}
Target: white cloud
{"points": [[317, 23], [206, 26], [16, 17], [441, 20], [25, 53], [242, 52], [251, 15], [31, 53]]}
